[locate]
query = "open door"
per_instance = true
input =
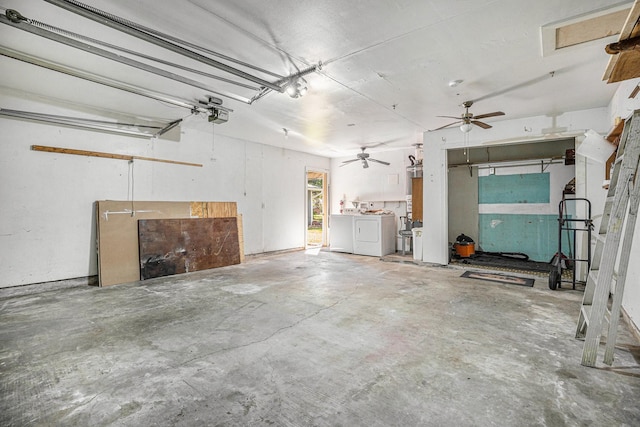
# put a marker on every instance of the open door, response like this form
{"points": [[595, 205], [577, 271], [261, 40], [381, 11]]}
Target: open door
{"points": [[316, 209]]}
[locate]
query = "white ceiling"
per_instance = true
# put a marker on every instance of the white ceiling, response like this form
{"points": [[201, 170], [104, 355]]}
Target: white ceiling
{"points": [[385, 64]]}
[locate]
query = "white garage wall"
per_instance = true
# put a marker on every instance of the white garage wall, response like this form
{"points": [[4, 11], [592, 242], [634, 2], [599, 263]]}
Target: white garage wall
{"points": [[47, 223], [376, 183]]}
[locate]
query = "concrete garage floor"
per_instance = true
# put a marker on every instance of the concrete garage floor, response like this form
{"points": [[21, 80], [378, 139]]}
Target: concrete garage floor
{"points": [[297, 339]]}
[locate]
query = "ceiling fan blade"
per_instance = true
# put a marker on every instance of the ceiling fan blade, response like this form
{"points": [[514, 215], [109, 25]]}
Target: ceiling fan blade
{"points": [[483, 125], [346, 162], [364, 164], [379, 161], [494, 114], [451, 117], [446, 126]]}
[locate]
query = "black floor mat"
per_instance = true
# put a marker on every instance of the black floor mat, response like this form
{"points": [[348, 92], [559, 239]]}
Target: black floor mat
{"points": [[504, 261], [500, 278]]}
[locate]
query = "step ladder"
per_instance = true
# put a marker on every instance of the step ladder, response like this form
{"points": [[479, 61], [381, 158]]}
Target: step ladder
{"points": [[604, 284]]}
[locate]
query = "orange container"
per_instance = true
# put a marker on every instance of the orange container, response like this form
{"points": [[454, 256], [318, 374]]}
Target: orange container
{"points": [[465, 250]]}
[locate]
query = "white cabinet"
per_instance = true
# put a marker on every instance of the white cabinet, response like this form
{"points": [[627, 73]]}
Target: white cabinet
{"points": [[373, 235]]}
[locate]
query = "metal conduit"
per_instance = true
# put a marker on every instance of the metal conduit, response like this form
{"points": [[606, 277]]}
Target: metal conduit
{"points": [[114, 57], [113, 22]]}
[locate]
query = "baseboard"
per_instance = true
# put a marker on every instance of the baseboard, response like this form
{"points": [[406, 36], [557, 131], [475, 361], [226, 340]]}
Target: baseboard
{"points": [[48, 286], [632, 326]]}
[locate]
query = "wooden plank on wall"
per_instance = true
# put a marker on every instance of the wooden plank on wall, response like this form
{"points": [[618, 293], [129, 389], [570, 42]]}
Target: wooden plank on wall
{"points": [[175, 246], [117, 232], [61, 150]]}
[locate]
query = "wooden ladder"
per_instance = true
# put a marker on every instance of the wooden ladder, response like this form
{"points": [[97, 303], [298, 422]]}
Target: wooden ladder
{"points": [[603, 283]]}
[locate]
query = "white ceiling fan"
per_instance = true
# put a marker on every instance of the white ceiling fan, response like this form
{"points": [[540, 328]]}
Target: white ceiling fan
{"points": [[364, 158]]}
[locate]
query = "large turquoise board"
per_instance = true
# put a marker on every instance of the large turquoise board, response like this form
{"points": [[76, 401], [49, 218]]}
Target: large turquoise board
{"points": [[534, 235], [508, 189]]}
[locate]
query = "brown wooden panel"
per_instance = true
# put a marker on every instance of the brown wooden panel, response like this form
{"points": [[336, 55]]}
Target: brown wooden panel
{"points": [[219, 210], [213, 209], [626, 65], [416, 199], [174, 246], [118, 258], [117, 233], [241, 237]]}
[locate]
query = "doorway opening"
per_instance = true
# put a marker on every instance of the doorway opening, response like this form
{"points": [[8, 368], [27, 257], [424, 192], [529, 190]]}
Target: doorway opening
{"points": [[503, 203], [316, 209]]}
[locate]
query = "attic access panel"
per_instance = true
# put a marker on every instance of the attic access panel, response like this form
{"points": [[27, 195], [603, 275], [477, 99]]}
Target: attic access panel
{"points": [[583, 29]]}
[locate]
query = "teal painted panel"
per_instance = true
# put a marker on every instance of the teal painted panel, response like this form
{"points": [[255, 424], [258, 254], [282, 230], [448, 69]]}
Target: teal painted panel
{"points": [[534, 235], [520, 188]]}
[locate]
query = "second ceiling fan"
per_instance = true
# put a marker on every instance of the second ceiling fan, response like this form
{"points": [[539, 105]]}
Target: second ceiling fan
{"points": [[363, 157], [467, 119]]}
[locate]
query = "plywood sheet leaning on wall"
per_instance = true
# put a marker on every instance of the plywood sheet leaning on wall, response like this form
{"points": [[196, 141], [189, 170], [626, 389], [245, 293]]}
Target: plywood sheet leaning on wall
{"points": [[220, 210], [213, 209], [175, 246], [117, 232]]}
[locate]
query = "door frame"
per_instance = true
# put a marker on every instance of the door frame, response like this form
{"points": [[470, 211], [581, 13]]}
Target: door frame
{"points": [[325, 204]]}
